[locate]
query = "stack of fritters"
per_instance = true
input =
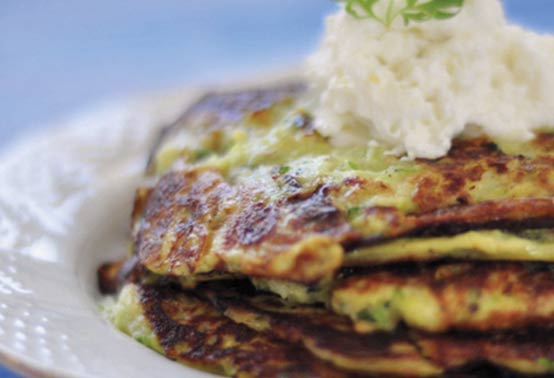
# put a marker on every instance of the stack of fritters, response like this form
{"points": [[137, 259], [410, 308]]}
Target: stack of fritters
{"points": [[262, 250]]}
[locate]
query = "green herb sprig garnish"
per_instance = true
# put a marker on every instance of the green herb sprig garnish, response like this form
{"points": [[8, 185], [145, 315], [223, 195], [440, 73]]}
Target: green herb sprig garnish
{"points": [[412, 11]]}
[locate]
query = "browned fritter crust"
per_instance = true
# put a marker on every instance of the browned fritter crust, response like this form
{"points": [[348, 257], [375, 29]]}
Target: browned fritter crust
{"points": [[191, 331], [329, 336], [108, 276], [531, 351], [466, 296], [252, 233], [407, 353], [216, 111], [451, 179], [509, 214], [112, 276]]}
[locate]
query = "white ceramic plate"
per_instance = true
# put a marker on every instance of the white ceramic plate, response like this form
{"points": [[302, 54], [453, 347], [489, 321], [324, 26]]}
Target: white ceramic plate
{"points": [[65, 200]]}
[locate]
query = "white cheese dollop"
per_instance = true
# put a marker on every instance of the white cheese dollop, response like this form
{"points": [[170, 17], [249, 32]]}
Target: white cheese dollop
{"points": [[413, 89]]}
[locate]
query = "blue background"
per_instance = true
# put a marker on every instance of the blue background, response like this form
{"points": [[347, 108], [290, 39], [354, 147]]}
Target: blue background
{"points": [[57, 57]]}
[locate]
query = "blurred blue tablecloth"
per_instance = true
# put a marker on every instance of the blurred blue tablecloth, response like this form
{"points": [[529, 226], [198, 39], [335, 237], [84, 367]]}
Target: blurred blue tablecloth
{"points": [[59, 56], [4, 373]]}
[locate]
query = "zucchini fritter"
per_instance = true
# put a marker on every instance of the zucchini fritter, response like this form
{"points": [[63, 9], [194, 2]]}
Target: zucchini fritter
{"points": [[188, 329], [244, 185], [404, 353], [436, 298], [328, 336]]}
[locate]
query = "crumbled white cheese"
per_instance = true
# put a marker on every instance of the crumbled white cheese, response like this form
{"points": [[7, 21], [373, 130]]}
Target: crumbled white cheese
{"points": [[414, 89]]}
